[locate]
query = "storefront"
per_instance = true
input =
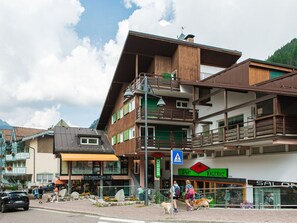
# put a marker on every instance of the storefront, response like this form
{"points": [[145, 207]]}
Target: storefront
{"points": [[213, 183], [274, 194]]}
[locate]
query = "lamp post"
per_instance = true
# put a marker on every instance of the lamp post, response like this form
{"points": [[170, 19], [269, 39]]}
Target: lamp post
{"points": [[128, 93], [1, 163], [33, 163]]}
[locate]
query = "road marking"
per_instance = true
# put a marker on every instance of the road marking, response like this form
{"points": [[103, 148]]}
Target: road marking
{"points": [[109, 220], [66, 212]]}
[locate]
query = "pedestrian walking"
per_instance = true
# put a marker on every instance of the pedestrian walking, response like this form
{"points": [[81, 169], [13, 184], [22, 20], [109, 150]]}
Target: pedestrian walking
{"points": [[190, 192], [40, 194], [175, 193], [56, 194]]}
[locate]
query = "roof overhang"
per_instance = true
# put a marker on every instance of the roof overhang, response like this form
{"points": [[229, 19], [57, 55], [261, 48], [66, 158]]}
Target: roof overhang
{"points": [[88, 157]]}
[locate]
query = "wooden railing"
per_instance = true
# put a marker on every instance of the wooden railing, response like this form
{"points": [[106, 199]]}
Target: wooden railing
{"points": [[270, 125], [159, 143], [163, 113], [156, 82]]}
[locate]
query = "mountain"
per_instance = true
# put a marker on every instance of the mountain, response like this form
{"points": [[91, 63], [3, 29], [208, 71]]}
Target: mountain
{"points": [[94, 124], [287, 54], [4, 125]]}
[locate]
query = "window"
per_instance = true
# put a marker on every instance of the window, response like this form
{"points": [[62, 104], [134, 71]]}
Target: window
{"points": [[82, 167], [121, 113], [121, 137], [113, 118], [114, 140], [132, 133], [233, 122], [182, 104], [132, 105], [89, 141], [45, 178], [205, 130]]}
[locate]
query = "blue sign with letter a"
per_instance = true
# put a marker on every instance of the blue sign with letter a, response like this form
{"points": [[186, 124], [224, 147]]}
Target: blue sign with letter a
{"points": [[177, 157]]}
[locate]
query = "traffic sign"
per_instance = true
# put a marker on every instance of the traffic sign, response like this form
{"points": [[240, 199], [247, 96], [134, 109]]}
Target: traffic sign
{"points": [[177, 157]]}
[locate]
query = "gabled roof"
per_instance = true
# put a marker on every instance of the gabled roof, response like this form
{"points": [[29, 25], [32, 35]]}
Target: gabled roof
{"points": [[21, 132], [67, 140], [6, 133], [147, 46], [238, 74]]}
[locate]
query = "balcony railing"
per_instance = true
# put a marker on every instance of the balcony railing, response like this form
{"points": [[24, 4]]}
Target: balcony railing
{"points": [[16, 171], [163, 113], [160, 143], [270, 125], [156, 82], [22, 156]]}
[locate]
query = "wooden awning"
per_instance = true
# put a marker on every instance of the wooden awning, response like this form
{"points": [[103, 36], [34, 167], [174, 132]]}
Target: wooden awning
{"points": [[88, 157]]}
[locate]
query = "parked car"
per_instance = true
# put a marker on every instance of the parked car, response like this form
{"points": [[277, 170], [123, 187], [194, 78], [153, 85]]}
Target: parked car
{"points": [[13, 200], [49, 187]]}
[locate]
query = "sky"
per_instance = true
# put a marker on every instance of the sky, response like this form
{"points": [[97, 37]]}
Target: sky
{"points": [[58, 57]]}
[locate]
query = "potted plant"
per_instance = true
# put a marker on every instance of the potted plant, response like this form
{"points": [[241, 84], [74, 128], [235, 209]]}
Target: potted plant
{"points": [[9, 168], [2, 168], [13, 154]]}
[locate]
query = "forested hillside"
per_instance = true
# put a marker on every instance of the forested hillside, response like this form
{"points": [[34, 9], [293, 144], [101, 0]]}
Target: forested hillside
{"points": [[286, 54]]}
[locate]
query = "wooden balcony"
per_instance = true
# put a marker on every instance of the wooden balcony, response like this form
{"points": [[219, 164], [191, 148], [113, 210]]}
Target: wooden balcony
{"points": [[166, 114], [263, 127], [156, 82], [157, 143]]}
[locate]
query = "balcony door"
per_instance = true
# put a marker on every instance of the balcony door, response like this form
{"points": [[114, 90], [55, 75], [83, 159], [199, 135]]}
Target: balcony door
{"points": [[151, 135]]}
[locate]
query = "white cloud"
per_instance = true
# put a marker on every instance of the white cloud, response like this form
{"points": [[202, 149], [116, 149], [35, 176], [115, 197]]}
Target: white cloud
{"points": [[44, 64]]}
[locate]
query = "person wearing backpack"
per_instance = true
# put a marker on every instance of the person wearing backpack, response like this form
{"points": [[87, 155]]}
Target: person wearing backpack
{"points": [[190, 192], [175, 191]]}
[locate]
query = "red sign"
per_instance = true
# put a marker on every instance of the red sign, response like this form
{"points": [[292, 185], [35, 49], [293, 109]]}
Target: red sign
{"points": [[199, 167], [157, 155]]}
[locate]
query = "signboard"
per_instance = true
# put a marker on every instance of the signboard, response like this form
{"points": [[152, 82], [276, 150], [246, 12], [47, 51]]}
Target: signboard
{"points": [[215, 172], [96, 177], [158, 167], [177, 157], [199, 167]]}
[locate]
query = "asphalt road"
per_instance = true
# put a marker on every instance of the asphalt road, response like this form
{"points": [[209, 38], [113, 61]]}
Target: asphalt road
{"points": [[45, 216]]}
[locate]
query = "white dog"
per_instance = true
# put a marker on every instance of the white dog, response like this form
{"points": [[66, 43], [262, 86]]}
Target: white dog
{"points": [[167, 207]]}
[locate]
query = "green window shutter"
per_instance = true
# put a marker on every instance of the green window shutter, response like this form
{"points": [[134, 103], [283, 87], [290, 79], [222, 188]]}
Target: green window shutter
{"points": [[114, 138], [126, 109], [118, 138], [118, 115], [114, 117], [126, 135]]}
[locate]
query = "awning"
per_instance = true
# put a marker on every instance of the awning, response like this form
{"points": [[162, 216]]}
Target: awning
{"points": [[88, 157]]}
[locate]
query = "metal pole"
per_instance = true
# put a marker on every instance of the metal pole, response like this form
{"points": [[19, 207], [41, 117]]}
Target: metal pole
{"points": [[145, 139]]}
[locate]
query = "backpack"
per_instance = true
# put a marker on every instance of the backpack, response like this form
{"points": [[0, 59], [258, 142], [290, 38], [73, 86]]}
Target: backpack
{"points": [[191, 191], [177, 191]]}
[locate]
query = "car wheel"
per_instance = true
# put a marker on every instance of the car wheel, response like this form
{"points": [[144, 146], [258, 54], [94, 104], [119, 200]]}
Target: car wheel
{"points": [[26, 208], [3, 208]]}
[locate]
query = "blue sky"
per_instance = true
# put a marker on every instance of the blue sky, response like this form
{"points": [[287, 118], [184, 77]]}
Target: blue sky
{"points": [[100, 19], [58, 57]]}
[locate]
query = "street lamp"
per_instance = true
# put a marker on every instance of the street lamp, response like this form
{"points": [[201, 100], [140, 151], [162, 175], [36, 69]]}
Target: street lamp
{"points": [[128, 93]]}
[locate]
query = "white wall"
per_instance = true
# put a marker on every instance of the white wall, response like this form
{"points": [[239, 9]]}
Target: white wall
{"points": [[206, 71], [269, 167], [217, 102]]}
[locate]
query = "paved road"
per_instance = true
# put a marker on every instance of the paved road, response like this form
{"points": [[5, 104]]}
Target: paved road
{"points": [[45, 216]]}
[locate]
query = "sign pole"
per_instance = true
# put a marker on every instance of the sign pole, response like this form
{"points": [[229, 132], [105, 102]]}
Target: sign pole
{"points": [[171, 184]]}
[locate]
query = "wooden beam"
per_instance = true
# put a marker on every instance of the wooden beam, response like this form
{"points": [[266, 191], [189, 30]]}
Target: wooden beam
{"points": [[264, 98]]}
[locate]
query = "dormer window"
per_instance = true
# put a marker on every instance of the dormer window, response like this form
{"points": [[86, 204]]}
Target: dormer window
{"points": [[89, 141]]}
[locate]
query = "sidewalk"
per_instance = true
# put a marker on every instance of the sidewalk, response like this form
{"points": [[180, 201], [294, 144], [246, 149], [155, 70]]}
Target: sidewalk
{"points": [[156, 213]]}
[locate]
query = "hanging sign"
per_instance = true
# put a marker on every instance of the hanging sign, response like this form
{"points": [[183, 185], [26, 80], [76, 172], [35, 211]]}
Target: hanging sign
{"points": [[158, 167]]}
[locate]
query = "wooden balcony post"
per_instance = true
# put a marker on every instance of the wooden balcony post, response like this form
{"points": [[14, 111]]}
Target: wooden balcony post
{"points": [[284, 125], [211, 137], [238, 132]]}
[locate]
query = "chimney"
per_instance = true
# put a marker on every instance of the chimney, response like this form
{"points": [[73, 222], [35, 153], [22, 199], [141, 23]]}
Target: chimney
{"points": [[190, 38]]}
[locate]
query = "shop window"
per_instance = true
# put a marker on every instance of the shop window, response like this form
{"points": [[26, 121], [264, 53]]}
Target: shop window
{"points": [[96, 168], [116, 167], [256, 150], [82, 167], [44, 178], [64, 167], [292, 148], [274, 149]]}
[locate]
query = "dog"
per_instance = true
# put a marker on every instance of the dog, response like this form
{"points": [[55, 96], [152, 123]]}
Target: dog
{"points": [[167, 207], [203, 202]]}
